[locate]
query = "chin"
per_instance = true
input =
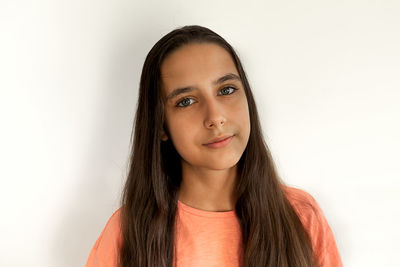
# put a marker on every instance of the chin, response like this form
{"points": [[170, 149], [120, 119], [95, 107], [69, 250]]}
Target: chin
{"points": [[222, 165]]}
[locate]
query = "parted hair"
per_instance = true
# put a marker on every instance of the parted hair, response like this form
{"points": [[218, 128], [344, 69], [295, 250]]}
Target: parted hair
{"points": [[272, 232]]}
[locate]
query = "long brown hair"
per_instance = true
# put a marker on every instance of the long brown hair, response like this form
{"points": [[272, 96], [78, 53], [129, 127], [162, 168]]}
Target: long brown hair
{"points": [[272, 233]]}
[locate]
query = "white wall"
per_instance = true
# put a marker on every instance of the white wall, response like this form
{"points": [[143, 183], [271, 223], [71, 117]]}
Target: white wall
{"points": [[325, 75]]}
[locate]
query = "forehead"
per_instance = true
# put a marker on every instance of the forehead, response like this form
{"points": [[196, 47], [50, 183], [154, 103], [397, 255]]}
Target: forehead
{"points": [[195, 63]]}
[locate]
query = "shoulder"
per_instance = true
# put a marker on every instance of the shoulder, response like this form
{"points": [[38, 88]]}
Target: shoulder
{"points": [[303, 202], [316, 224], [297, 196], [105, 250], [111, 230]]}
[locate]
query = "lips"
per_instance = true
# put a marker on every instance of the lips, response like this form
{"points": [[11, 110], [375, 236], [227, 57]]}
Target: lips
{"points": [[218, 139], [220, 143]]}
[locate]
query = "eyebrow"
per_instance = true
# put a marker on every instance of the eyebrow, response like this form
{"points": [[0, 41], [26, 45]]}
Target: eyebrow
{"points": [[178, 91]]}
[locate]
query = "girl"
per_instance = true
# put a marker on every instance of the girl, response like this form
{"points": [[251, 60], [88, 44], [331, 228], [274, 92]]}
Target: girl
{"points": [[202, 189]]}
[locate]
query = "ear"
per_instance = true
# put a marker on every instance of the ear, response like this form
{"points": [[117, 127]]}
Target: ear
{"points": [[164, 136]]}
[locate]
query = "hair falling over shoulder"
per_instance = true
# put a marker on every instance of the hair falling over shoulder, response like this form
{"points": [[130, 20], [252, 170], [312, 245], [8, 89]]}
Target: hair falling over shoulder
{"points": [[272, 233]]}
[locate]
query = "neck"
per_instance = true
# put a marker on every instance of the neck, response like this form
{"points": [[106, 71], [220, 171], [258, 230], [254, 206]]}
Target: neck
{"points": [[210, 190]]}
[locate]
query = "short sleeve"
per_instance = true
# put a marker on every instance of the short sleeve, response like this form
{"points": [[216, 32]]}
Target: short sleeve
{"points": [[106, 249], [314, 221]]}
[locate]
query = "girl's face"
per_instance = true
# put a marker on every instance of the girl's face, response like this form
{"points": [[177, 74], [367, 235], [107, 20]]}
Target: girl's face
{"points": [[204, 99]]}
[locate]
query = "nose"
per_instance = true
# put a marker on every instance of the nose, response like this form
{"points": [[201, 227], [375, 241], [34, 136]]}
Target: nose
{"points": [[215, 117]]}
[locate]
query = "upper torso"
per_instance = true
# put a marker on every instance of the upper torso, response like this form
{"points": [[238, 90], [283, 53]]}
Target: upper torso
{"points": [[207, 238]]}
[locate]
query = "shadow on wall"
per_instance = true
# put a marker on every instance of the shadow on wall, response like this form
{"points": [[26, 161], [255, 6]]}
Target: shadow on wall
{"points": [[105, 167]]}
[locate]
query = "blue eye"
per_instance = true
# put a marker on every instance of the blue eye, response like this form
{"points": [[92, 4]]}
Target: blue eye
{"points": [[228, 87], [185, 102]]}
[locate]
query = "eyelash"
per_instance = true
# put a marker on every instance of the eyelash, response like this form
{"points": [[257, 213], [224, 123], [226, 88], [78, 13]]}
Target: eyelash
{"points": [[181, 100]]}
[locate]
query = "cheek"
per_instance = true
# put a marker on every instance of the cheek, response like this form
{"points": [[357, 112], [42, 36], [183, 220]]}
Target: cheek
{"points": [[185, 140], [241, 114], [182, 131]]}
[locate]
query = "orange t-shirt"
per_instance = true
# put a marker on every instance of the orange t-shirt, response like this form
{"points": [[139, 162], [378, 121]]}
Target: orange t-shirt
{"points": [[209, 238]]}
